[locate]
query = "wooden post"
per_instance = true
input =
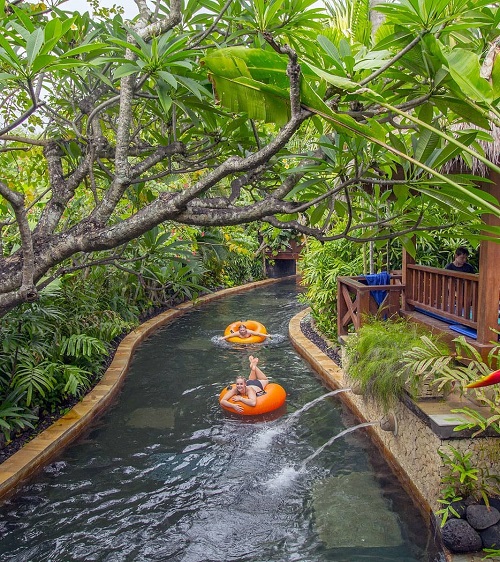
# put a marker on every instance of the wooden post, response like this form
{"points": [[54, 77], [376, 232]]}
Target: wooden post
{"points": [[407, 280], [363, 298], [489, 274], [341, 310]]}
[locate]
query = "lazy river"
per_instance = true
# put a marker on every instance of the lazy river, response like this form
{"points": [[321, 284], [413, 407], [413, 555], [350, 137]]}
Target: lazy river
{"points": [[166, 474]]}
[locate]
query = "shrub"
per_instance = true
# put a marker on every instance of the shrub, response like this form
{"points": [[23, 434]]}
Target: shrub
{"points": [[376, 359]]}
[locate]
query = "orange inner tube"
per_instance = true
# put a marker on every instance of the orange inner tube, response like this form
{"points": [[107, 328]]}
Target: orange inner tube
{"points": [[250, 325], [274, 396]]}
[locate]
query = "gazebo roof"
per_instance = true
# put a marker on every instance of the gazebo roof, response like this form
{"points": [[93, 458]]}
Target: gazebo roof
{"points": [[491, 151]]}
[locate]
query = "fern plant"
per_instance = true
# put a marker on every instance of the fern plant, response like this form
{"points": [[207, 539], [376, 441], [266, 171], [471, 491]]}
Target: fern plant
{"points": [[457, 371], [14, 415], [426, 362]]}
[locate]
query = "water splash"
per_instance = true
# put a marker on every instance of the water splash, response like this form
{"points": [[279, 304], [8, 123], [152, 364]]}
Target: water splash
{"points": [[263, 440], [219, 341], [276, 339], [330, 441], [306, 407], [272, 340], [286, 477]]}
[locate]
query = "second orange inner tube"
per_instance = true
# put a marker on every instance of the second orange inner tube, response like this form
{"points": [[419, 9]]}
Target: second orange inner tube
{"points": [[250, 325]]}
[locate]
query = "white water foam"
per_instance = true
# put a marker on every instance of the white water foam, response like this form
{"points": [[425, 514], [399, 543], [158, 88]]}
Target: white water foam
{"points": [[285, 478], [263, 440]]}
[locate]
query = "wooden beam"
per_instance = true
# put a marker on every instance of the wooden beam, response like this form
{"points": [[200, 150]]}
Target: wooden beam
{"points": [[489, 274]]}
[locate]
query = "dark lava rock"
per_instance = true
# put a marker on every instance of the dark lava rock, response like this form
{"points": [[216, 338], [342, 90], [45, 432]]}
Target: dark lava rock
{"points": [[307, 328], [459, 536], [494, 502], [481, 517], [460, 506], [491, 537]]}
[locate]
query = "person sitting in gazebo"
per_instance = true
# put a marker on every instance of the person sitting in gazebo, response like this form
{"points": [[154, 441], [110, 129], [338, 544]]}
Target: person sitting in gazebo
{"points": [[460, 261]]}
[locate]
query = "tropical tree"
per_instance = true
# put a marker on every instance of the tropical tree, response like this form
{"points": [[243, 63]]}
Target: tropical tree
{"points": [[212, 113]]}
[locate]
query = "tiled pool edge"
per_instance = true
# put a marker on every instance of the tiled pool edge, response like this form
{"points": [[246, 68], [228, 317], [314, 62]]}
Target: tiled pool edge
{"points": [[23, 464]]}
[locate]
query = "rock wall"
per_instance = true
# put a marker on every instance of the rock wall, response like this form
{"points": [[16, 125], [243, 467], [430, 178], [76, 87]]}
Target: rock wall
{"points": [[412, 449]]}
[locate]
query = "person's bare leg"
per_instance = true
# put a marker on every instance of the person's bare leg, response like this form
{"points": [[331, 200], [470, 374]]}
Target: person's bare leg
{"points": [[255, 372]]}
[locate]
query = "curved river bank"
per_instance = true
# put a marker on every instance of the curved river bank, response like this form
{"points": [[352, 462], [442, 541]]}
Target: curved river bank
{"points": [[167, 475]]}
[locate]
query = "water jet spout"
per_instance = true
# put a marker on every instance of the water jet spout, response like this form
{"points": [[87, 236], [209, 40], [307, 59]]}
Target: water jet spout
{"points": [[389, 423], [330, 441], [306, 407]]}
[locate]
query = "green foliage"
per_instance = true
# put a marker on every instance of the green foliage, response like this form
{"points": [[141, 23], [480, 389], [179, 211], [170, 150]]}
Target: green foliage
{"points": [[292, 22], [78, 345], [448, 498], [351, 18], [457, 371], [34, 377], [375, 359], [179, 121], [14, 416], [236, 73], [240, 264], [491, 553], [50, 348], [320, 267], [461, 470], [426, 362], [463, 480], [276, 240]]}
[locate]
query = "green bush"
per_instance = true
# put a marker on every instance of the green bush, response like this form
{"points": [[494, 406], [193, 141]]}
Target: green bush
{"points": [[320, 267], [376, 359]]}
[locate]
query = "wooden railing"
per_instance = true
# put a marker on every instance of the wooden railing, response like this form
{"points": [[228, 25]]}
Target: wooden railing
{"points": [[355, 302], [440, 294], [448, 294]]}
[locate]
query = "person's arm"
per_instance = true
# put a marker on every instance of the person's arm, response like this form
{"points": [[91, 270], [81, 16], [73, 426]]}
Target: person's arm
{"points": [[251, 398], [225, 401], [254, 333]]}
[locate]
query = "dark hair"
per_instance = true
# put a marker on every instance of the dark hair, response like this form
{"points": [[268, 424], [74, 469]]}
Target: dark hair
{"points": [[461, 250]]}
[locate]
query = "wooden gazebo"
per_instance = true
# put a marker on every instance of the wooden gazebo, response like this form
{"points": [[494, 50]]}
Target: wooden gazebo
{"points": [[445, 301]]}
